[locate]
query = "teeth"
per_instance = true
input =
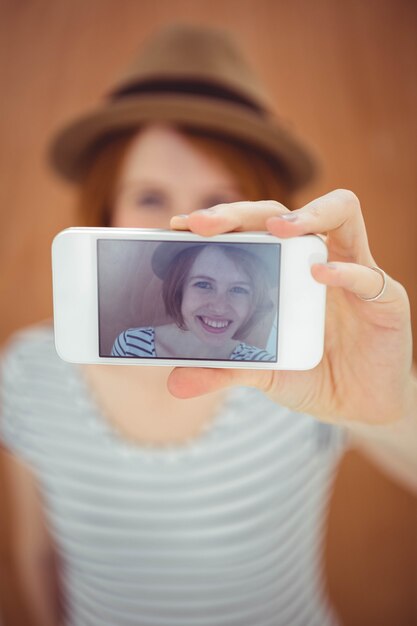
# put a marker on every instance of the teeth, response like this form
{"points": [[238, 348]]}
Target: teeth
{"points": [[215, 324]]}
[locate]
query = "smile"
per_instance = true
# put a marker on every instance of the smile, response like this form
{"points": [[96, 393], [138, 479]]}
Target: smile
{"points": [[213, 325]]}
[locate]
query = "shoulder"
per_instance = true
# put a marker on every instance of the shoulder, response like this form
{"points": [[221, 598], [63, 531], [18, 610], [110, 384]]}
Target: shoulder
{"points": [[33, 377], [245, 352], [135, 342], [144, 331], [30, 347], [29, 357]]}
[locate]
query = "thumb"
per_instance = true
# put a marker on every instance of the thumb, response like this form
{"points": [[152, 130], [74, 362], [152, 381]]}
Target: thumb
{"points": [[189, 382]]}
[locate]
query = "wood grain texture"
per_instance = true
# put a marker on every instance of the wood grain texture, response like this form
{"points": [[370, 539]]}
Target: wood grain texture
{"points": [[344, 75]]}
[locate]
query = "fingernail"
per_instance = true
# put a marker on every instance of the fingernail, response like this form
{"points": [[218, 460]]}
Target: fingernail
{"points": [[179, 219], [331, 266], [288, 217]]}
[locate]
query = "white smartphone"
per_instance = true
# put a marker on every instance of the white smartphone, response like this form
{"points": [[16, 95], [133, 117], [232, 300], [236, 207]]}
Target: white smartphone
{"points": [[158, 297]]}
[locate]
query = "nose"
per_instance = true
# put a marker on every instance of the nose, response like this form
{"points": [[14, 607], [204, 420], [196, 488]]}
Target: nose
{"points": [[218, 303]]}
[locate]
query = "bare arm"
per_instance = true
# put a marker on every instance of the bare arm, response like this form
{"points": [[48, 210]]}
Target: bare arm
{"points": [[28, 561], [392, 446], [364, 381]]}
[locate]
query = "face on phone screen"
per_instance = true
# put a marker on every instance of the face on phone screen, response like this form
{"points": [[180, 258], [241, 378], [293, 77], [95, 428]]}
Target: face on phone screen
{"points": [[188, 300]]}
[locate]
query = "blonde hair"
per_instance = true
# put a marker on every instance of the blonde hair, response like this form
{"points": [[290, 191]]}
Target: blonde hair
{"points": [[258, 177]]}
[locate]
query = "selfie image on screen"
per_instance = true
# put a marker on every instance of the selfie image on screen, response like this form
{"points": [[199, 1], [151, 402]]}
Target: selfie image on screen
{"points": [[186, 300]]}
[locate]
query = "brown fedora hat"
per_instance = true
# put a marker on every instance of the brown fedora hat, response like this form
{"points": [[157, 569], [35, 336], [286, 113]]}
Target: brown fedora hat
{"points": [[192, 76]]}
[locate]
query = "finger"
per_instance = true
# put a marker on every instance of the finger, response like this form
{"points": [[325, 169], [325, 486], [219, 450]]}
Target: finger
{"points": [[189, 382], [224, 218], [362, 281], [338, 214]]}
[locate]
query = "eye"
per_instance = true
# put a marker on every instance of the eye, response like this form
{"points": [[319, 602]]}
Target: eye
{"points": [[209, 202], [240, 290], [220, 199], [203, 284], [153, 199]]}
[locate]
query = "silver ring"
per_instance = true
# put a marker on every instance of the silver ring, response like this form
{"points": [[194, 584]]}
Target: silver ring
{"points": [[384, 284]]}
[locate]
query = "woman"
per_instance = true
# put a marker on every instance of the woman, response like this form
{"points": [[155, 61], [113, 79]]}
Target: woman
{"points": [[209, 511], [213, 294]]}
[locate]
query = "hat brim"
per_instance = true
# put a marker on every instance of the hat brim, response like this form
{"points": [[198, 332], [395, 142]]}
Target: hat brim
{"points": [[75, 146], [165, 254]]}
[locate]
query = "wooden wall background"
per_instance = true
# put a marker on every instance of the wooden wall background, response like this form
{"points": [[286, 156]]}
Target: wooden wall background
{"points": [[345, 73]]}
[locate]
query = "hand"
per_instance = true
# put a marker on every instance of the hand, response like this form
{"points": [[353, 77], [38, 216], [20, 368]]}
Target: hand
{"points": [[364, 375]]}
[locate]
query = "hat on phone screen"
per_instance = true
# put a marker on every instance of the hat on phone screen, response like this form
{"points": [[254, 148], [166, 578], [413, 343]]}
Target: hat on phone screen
{"points": [[191, 76], [165, 255]]}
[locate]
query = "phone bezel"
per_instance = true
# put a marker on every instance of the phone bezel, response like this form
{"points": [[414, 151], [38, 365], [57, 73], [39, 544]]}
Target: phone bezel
{"points": [[301, 318]]}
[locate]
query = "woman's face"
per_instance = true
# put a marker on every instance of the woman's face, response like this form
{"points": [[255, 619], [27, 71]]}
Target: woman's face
{"points": [[217, 297], [164, 175]]}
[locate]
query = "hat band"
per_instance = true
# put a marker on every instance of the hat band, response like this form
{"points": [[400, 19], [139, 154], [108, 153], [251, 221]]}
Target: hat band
{"points": [[191, 87]]}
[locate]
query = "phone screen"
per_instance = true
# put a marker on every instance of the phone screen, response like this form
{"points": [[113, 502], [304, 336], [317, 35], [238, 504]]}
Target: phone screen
{"points": [[188, 300]]}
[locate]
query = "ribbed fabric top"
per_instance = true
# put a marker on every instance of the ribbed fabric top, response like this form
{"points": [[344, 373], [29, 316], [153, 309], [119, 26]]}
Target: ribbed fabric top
{"points": [[224, 530]]}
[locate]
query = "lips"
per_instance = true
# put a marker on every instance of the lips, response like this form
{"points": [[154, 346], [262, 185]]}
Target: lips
{"points": [[213, 325]]}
